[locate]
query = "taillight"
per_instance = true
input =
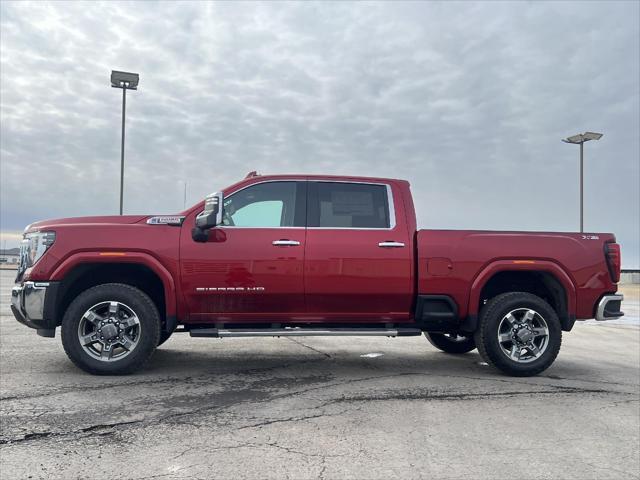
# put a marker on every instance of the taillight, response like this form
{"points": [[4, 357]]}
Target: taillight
{"points": [[614, 260]]}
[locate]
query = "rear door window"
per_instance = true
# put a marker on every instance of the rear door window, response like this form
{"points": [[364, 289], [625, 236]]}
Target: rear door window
{"points": [[348, 205]]}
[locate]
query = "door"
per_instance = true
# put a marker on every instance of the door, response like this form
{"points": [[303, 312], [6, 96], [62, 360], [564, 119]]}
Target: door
{"points": [[251, 269], [358, 258]]}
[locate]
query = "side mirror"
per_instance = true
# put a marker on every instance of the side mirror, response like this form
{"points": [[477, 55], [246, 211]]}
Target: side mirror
{"points": [[209, 217], [212, 213]]}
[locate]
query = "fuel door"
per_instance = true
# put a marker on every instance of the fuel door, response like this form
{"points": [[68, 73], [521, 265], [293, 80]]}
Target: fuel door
{"points": [[439, 266]]}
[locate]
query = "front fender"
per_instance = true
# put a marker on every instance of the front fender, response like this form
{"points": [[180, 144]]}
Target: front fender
{"points": [[123, 257]]}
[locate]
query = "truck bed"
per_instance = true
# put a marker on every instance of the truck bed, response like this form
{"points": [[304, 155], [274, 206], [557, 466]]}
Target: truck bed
{"points": [[453, 261]]}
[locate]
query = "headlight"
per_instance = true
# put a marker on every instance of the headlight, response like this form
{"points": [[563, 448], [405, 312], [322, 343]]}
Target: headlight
{"points": [[33, 247]]}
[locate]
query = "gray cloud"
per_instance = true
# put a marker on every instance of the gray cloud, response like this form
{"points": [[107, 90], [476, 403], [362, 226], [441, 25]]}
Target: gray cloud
{"points": [[466, 100]]}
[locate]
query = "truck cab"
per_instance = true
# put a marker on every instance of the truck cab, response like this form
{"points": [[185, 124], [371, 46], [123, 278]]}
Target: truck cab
{"points": [[302, 249]]}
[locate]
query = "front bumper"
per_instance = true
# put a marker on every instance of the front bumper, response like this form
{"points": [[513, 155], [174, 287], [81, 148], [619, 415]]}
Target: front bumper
{"points": [[609, 307], [34, 305]]}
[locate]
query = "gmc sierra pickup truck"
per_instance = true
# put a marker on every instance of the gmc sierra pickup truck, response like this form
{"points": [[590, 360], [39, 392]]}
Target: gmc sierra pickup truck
{"points": [[302, 255]]}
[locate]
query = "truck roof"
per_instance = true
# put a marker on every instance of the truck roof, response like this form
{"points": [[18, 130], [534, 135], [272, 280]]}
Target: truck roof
{"points": [[304, 176]]}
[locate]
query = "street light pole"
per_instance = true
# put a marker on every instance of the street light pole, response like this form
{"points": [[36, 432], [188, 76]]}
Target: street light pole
{"points": [[580, 139], [124, 109], [581, 186], [184, 206], [125, 81]]}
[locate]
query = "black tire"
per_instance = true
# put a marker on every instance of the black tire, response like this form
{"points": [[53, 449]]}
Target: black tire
{"points": [[449, 345], [486, 336], [142, 305]]}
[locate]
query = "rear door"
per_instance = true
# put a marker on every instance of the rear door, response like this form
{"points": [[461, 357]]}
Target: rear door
{"points": [[251, 269], [358, 259]]}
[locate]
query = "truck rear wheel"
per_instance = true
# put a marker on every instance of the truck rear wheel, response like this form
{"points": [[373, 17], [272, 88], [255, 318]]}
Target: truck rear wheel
{"points": [[451, 343], [110, 329], [519, 333]]}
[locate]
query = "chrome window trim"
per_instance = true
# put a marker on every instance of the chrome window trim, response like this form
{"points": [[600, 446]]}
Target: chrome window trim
{"points": [[259, 228], [390, 206]]}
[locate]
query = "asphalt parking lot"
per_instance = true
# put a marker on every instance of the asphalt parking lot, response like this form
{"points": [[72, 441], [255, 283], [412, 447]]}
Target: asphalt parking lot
{"points": [[321, 408]]}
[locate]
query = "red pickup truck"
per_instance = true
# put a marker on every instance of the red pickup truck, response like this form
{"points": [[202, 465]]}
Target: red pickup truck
{"points": [[303, 255]]}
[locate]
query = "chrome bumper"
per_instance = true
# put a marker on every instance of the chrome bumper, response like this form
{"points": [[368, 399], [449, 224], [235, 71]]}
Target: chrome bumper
{"points": [[29, 304], [609, 307], [29, 299]]}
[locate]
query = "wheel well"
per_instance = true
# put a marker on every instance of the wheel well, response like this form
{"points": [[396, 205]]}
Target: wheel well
{"points": [[89, 275], [543, 284]]}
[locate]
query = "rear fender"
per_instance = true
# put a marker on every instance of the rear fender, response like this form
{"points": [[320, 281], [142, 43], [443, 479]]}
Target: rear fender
{"points": [[522, 265]]}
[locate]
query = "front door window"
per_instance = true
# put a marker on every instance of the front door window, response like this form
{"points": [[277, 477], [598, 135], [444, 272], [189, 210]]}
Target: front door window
{"points": [[264, 205]]}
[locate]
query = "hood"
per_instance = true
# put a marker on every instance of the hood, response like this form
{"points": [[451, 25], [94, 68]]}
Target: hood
{"points": [[105, 219]]}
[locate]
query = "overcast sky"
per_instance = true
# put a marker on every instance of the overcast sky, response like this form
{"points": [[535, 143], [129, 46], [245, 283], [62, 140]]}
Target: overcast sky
{"points": [[468, 101]]}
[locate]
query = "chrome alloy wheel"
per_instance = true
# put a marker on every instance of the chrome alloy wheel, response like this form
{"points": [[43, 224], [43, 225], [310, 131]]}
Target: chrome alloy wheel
{"points": [[523, 335], [109, 331]]}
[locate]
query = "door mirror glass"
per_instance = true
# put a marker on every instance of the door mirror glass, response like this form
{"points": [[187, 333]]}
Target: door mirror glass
{"points": [[212, 213]]}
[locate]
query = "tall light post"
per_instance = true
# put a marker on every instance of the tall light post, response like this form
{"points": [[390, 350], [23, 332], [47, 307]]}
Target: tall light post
{"points": [[184, 206], [125, 81], [580, 139]]}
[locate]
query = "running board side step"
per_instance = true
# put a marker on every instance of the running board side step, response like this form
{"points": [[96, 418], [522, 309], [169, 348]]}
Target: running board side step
{"points": [[305, 332]]}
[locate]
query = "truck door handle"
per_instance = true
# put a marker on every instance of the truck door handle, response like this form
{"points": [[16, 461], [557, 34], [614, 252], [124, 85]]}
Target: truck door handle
{"points": [[391, 244], [285, 243]]}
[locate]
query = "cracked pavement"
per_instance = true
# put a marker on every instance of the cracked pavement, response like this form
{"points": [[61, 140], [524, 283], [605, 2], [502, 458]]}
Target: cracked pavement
{"points": [[315, 408]]}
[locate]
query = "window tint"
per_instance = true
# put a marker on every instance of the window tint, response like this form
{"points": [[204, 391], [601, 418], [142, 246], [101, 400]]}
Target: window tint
{"points": [[349, 205], [270, 204]]}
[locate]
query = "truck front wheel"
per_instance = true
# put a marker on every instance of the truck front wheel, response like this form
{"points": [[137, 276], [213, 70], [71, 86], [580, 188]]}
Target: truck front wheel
{"points": [[110, 329], [519, 333], [451, 343]]}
